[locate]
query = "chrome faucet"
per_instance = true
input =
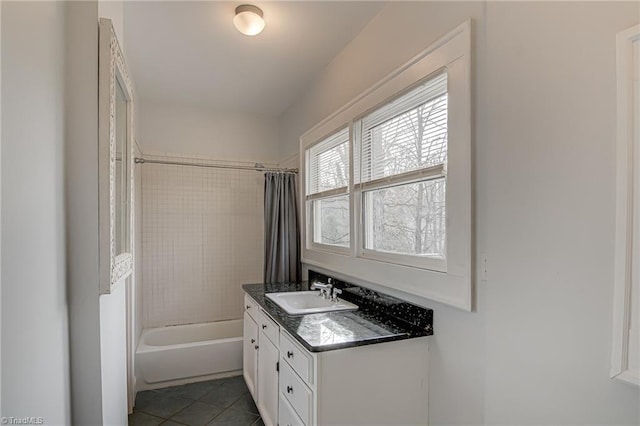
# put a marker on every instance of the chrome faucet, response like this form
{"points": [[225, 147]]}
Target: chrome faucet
{"points": [[325, 289], [334, 294]]}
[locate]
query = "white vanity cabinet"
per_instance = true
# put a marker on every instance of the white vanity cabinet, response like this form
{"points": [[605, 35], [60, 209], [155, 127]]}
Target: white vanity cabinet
{"points": [[250, 354], [382, 383], [268, 358], [260, 360]]}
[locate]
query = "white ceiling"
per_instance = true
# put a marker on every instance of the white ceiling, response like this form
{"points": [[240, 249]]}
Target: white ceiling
{"points": [[190, 52]]}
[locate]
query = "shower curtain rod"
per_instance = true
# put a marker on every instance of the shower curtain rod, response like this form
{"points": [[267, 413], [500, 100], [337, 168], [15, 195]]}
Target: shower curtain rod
{"points": [[257, 167]]}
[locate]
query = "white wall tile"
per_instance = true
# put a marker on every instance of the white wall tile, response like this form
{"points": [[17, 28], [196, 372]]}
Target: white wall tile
{"points": [[203, 237]]}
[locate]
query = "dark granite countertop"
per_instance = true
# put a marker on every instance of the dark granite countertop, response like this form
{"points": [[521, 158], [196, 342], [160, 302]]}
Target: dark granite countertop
{"points": [[374, 322]]}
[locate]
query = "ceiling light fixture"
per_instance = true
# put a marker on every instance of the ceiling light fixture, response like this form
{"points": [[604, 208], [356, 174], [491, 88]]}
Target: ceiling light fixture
{"points": [[248, 20]]}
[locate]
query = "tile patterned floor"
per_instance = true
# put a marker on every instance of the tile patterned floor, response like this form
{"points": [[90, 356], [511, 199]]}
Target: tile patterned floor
{"points": [[224, 402]]}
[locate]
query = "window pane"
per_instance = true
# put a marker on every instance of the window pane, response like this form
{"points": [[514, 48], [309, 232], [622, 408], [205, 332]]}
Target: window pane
{"points": [[411, 141], [331, 221], [333, 168], [407, 219], [409, 133], [328, 163]]}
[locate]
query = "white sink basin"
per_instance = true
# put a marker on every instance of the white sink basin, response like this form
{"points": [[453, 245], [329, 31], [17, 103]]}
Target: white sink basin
{"points": [[308, 302]]}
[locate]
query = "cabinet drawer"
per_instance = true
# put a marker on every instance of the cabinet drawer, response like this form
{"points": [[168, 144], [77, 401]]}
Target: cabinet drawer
{"points": [[268, 327], [296, 392], [286, 415], [299, 359], [251, 306]]}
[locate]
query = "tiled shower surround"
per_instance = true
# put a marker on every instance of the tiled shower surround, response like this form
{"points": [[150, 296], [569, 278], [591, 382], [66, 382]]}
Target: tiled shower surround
{"points": [[202, 238]]}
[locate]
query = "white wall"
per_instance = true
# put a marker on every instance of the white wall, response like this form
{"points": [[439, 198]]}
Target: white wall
{"points": [[35, 341], [114, 10], [167, 128], [113, 343], [536, 351], [81, 160], [547, 221]]}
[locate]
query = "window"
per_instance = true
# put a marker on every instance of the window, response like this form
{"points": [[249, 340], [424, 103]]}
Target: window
{"points": [[402, 149], [389, 192], [327, 186]]}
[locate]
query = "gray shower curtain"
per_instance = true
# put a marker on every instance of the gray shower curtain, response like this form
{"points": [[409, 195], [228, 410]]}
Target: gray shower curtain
{"points": [[281, 229]]}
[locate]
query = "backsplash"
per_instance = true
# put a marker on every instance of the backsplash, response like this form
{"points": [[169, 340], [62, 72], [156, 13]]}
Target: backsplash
{"points": [[395, 308]]}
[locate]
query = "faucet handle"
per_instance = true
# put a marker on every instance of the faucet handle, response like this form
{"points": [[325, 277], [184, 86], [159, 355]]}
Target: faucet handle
{"points": [[320, 286], [334, 295]]}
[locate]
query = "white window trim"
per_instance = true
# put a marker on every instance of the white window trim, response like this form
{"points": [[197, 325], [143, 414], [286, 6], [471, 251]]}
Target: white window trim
{"points": [[628, 177], [453, 287]]}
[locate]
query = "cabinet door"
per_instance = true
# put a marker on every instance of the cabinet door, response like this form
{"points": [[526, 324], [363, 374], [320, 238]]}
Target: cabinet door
{"points": [[268, 381], [250, 354]]}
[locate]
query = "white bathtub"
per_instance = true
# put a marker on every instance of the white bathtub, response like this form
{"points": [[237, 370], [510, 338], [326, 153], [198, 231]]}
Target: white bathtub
{"points": [[188, 353]]}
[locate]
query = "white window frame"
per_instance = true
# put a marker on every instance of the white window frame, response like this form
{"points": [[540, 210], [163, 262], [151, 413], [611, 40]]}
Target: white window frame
{"points": [[452, 284], [627, 241], [414, 176]]}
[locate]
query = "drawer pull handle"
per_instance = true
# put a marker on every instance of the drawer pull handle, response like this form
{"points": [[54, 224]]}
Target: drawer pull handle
{"points": [[253, 340], [248, 307], [256, 346], [289, 389], [264, 326], [289, 354]]}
